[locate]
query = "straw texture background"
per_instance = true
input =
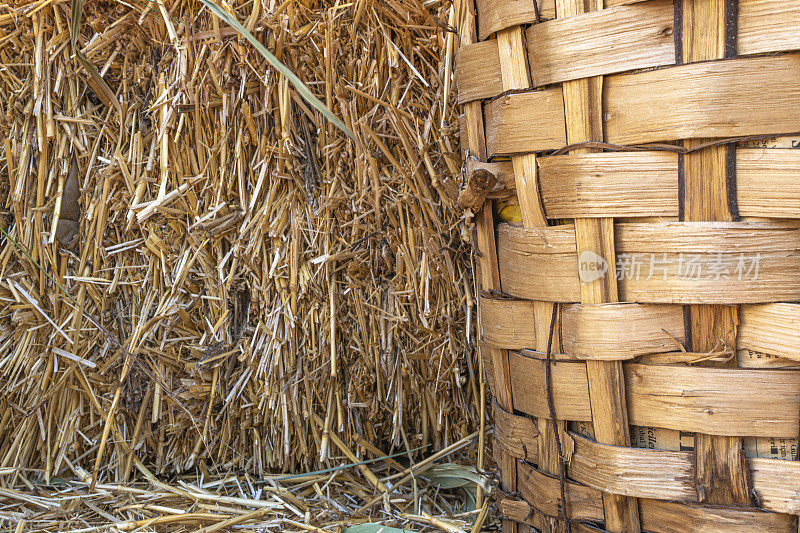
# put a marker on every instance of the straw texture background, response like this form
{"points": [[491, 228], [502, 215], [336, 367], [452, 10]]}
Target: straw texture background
{"points": [[283, 284]]}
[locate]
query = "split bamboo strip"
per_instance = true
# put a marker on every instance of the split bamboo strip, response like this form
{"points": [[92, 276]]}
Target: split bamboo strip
{"points": [[722, 476], [583, 107], [487, 261], [514, 76]]}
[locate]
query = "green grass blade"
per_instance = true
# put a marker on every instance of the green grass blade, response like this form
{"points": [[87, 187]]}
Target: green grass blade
{"points": [[299, 86], [348, 465], [75, 20]]}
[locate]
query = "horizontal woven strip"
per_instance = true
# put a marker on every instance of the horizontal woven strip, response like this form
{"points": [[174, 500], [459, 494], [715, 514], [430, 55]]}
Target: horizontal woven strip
{"points": [[637, 472], [496, 15], [604, 332], [478, 71], [768, 26], [645, 184], [668, 517], [542, 492], [770, 328], [507, 323], [539, 264], [621, 331], [716, 401], [518, 510], [670, 475], [753, 96], [611, 40], [768, 182], [525, 122], [516, 434], [670, 262], [625, 331], [613, 184]]}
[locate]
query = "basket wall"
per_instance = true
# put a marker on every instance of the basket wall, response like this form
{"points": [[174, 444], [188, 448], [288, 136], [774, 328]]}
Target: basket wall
{"points": [[637, 310]]}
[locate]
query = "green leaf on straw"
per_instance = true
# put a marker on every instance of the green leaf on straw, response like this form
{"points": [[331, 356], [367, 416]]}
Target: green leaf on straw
{"points": [[451, 476], [349, 465], [299, 86], [75, 21]]}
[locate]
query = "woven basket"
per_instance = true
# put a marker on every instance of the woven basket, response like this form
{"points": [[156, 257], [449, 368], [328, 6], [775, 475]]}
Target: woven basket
{"points": [[637, 320]]}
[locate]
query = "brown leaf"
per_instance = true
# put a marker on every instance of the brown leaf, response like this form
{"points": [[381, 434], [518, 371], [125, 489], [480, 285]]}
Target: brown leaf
{"points": [[69, 218]]}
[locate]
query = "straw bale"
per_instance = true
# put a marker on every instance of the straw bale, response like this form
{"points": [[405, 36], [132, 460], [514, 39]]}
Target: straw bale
{"points": [[246, 288]]}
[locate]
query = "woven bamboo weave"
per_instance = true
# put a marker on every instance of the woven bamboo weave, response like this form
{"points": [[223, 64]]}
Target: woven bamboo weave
{"points": [[639, 320]]}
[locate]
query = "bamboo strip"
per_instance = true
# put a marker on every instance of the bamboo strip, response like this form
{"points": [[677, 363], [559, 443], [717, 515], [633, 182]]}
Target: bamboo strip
{"points": [[628, 184], [575, 47], [617, 39], [583, 108], [645, 184], [539, 262], [478, 71], [752, 96], [621, 331], [768, 182], [610, 331], [496, 15], [672, 262], [518, 435], [770, 328], [656, 516], [721, 474], [507, 323], [637, 472], [666, 517], [514, 75], [525, 122], [768, 26], [719, 401], [536, 486]]}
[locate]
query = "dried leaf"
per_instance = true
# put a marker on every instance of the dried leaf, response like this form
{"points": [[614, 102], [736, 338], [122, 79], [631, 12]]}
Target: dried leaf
{"points": [[70, 213]]}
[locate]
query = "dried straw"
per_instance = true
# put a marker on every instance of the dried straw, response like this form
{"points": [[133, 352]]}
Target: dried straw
{"points": [[247, 290], [322, 501]]}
